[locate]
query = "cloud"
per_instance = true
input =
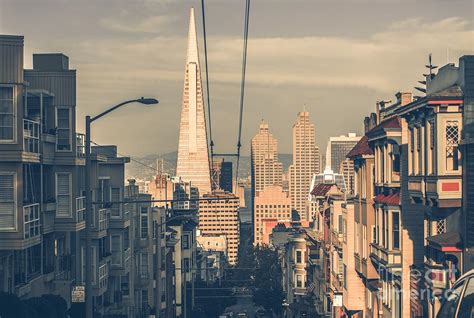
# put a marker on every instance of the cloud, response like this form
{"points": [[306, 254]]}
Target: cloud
{"points": [[128, 22]]}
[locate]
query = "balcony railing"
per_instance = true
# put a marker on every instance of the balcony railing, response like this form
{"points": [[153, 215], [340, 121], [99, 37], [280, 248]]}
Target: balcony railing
{"points": [[80, 209], [103, 219], [103, 274], [31, 214], [31, 133], [80, 145]]}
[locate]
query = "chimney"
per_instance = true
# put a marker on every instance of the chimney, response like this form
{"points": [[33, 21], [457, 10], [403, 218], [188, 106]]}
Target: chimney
{"points": [[404, 98]]}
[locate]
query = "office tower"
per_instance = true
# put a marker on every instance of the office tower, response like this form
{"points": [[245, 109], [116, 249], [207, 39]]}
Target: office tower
{"points": [[220, 216], [266, 172], [266, 169], [193, 157], [306, 161], [338, 148], [271, 205]]}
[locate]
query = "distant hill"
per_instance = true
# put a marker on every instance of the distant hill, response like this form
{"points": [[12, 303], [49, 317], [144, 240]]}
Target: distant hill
{"points": [[146, 167]]}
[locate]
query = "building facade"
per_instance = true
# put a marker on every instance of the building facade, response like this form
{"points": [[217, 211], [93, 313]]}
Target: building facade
{"points": [[306, 162], [338, 148]]}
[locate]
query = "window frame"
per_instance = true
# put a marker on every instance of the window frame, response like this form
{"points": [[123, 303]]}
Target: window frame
{"points": [[58, 108], [14, 228], [14, 114], [69, 174]]}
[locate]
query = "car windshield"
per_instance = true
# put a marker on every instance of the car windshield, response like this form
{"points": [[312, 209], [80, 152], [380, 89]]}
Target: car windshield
{"points": [[448, 309]]}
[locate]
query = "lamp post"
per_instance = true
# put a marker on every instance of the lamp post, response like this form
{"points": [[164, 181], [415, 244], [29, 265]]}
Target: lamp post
{"points": [[89, 220]]}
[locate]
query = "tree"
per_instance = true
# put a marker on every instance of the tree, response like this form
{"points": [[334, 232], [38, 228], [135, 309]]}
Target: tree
{"points": [[268, 277]]}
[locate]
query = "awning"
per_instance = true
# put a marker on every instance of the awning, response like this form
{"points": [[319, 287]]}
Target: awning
{"points": [[446, 242]]}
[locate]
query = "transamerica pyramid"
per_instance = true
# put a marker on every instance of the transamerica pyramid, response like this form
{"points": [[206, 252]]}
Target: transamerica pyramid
{"points": [[193, 157]]}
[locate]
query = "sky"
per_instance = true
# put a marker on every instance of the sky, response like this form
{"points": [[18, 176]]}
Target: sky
{"points": [[334, 58]]}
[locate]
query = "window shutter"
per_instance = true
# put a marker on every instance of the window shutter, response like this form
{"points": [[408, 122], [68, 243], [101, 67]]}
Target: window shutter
{"points": [[7, 201], [63, 195]]}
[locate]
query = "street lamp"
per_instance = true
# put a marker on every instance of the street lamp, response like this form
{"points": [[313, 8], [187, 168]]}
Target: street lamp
{"points": [[88, 271]]}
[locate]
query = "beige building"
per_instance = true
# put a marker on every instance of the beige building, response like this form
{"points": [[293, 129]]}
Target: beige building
{"points": [[193, 157], [220, 216], [266, 169], [270, 204], [306, 162]]}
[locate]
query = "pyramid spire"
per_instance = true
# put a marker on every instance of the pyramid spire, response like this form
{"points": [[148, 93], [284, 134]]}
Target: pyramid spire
{"points": [[192, 53], [193, 156]]}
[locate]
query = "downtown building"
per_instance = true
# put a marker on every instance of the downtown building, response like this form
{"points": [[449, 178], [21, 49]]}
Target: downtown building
{"points": [[270, 202], [306, 163]]}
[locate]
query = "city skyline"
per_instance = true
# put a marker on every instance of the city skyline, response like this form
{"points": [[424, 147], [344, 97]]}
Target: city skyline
{"points": [[119, 55]]}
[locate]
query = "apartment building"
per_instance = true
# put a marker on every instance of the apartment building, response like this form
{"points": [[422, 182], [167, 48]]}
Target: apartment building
{"points": [[364, 220], [433, 181], [220, 216], [41, 173]]}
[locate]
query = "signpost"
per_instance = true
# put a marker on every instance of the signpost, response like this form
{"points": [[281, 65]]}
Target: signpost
{"points": [[78, 294]]}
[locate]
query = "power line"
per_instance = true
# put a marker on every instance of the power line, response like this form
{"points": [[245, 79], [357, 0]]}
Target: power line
{"points": [[207, 85], [242, 85], [131, 158]]}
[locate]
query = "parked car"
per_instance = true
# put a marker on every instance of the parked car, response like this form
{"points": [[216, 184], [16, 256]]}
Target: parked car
{"points": [[459, 301]]}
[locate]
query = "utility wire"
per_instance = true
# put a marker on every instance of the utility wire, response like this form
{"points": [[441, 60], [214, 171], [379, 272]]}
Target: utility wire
{"points": [[242, 86], [131, 158], [211, 144]]}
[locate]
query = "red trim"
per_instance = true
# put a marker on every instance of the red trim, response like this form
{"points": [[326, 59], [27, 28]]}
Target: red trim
{"points": [[447, 101], [450, 249], [450, 186]]}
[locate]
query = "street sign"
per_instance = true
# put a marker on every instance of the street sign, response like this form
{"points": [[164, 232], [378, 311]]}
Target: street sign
{"points": [[78, 294], [337, 302]]}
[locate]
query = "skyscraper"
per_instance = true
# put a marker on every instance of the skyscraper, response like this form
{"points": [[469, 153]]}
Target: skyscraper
{"points": [[266, 170], [266, 182], [193, 156], [338, 148], [306, 162]]}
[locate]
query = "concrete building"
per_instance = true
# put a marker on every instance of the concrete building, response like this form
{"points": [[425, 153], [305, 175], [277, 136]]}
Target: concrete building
{"points": [[272, 205], [338, 148], [220, 216], [193, 156], [41, 174], [306, 162]]}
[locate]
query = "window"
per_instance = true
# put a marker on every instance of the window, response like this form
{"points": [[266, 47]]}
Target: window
{"points": [[441, 226], [104, 192], [144, 226], [144, 265], [186, 266], [299, 257], [185, 239], [299, 281], [63, 195], [452, 140], [63, 129], [396, 230], [364, 241], [116, 249], [448, 309], [7, 114], [7, 201], [115, 196]]}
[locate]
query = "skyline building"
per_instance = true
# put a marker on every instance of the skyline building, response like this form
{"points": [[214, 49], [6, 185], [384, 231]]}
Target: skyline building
{"points": [[193, 156], [306, 162], [220, 216], [338, 148], [266, 172]]}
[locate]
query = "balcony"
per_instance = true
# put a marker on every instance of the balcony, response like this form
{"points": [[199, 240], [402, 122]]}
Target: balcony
{"points": [[336, 281], [337, 239], [385, 257], [31, 215], [31, 136], [80, 146]]}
